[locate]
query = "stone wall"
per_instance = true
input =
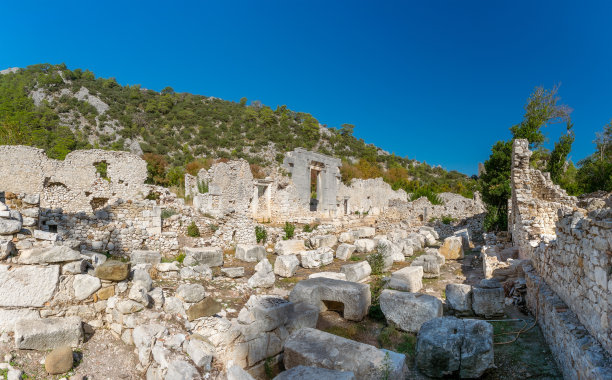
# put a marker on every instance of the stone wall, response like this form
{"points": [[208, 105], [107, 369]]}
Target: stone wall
{"points": [[74, 184], [535, 202], [578, 353], [370, 196], [577, 265]]}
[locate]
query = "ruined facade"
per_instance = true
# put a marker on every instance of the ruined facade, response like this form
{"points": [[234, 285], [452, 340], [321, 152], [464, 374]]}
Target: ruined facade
{"points": [[316, 177], [371, 196], [83, 182]]}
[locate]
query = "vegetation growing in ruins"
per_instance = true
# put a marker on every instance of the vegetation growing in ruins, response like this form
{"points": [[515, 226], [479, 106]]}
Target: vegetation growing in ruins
{"points": [[202, 187], [433, 198], [193, 230], [261, 235], [289, 230], [377, 259]]}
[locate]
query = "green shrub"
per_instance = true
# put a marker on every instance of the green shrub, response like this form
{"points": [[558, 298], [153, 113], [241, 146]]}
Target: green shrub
{"points": [[213, 227], [447, 219], [193, 230], [202, 187], [496, 219], [376, 287], [307, 228], [428, 193], [261, 235], [377, 260], [289, 230], [167, 212], [102, 169], [180, 257]]}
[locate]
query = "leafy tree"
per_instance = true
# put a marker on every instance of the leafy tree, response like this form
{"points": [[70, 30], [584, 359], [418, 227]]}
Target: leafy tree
{"points": [[558, 157], [346, 130], [595, 171]]}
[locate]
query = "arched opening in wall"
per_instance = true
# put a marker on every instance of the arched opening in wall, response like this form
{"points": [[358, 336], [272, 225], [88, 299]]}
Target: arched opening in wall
{"points": [[102, 170], [421, 218], [98, 203], [234, 235]]}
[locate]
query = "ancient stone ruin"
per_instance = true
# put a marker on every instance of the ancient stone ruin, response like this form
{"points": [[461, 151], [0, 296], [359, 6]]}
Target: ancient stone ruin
{"points": [[291, 276]]}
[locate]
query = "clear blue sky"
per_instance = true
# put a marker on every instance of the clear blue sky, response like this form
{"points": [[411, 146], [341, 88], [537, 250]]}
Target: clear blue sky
{"points": [[439, 81]]}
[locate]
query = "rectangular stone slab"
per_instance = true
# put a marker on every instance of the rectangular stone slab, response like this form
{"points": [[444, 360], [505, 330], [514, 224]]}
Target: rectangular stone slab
{"points": [[48, 333], [27, 286]]}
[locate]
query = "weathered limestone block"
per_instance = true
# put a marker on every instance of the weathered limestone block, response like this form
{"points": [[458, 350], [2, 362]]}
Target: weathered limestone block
{"points": [[346, 237], [205, 308], [8, 317], [316, 258], [356, 272], [365, 232], [459, 298], [112, 270], [451, 346], [365, 245], [408, 279], [250, 253], [9, 226], [286, 266], [200, 352], [145, 257], [309, 373], [431, 230], [465, 238], [85, 285], [181, 370], [332, 275], [409, 310], [211, 256], [355, 297], [488, 299], [345, 251], [264, 275], [7, 248], [44, 235], [452, 248], [314, 348], [54, 254], [430, 264], [48, 333], [391, 249], [27, 286], [289, 247], [191, 293], [233, 272], [323, 241], [59, 361]]}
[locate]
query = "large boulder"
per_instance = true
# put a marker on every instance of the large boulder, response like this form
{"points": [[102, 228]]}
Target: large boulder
{"points": [[325, 292], [309, 373], [459, 298], [48, 333], [211, 256], [27, 286], [408, 311], [449, 346], [250, 253], [452, 248], [407, 279], [181, 370], [356, 272], [58, 361], [488, 299], [112, 270], [289, 247], [53, 254], [315, 348], [7, 248], [364, 232], [345, 251], [286, 266], [391, 249], [465, 238]]}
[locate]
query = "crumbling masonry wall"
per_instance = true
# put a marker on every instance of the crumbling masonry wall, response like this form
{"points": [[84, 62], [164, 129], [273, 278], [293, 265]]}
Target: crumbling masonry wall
{"points": [[577, 265], [370, 196], [535, 202], [74, 184]]}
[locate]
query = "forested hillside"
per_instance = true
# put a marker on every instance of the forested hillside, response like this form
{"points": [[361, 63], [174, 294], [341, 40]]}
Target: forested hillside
{"points": [[60, 110]]}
